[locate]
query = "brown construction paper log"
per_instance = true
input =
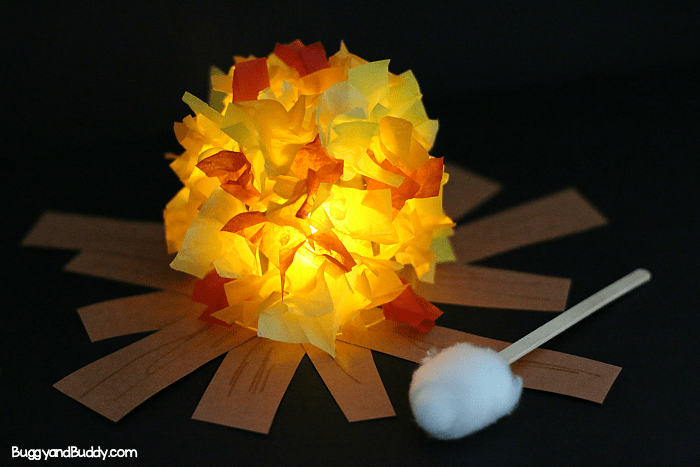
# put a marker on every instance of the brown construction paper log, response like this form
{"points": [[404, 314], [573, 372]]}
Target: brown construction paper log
{"points": [[459, 284], [140, 313], [133, 270], [118, 383], [248, 386], [465, 191], [81, 232], [556, 215], [541, 369], [353, 380]]}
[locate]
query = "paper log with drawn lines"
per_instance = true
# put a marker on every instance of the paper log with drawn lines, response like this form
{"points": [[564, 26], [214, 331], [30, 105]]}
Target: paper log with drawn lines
{"points": [[135, 252]]}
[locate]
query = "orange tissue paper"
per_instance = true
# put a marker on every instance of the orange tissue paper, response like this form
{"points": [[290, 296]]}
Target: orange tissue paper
{"points": [[308, 186]]}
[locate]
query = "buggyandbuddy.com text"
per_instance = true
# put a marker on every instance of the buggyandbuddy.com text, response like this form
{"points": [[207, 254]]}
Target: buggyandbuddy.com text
{"points": [[72, 452]]}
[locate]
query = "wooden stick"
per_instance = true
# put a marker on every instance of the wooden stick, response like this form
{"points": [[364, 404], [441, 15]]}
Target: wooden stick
{"points": [[573, 315]]}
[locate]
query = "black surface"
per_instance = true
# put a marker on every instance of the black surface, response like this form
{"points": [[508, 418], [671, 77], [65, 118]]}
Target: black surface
{"points": [[602, 97]]}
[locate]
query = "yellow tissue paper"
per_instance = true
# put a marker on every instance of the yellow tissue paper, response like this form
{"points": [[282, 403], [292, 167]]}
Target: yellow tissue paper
{"points": [[308, 181]]}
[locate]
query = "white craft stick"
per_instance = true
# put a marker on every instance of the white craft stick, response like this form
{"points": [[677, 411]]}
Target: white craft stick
{"points": [[573, 315]]}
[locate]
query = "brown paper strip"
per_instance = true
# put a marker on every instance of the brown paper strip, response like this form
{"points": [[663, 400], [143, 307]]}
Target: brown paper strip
{"points": [[459, 284], [248, 386], [465, 191], [141, 271], [141, 313], [80, 232], [353, 380], [557, 215], [119, 382], [541, 369]]}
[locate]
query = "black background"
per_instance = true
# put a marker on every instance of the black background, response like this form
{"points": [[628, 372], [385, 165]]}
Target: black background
{"points": [[602, 96]]}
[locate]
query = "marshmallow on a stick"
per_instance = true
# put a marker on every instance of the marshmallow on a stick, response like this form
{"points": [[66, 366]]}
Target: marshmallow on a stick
{"points": [[462, 389]]}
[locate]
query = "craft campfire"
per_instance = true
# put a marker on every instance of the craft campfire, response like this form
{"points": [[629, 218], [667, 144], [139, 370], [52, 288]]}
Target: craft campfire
{"points": [[311, 223], [307, 195]]}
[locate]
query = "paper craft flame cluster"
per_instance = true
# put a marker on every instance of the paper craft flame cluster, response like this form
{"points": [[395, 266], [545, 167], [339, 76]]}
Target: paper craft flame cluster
{"points": [[308, 189], [308, 185]]}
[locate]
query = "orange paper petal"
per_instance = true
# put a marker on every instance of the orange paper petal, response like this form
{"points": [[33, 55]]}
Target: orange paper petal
{"points": [[290, 55], [313, 156], [312, 185], [314, 57], [400, 194], [313, 164], [286, 256], [305, 59], [233, 169], [243, 221], [249, 78], [329, 245], [428, 177], [412, 309], [210, 291], [423, 182], [320, 81]]}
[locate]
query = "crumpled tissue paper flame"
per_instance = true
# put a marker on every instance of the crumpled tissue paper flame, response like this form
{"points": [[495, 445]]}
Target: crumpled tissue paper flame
{"points": [[310, 200], [308, 185]]}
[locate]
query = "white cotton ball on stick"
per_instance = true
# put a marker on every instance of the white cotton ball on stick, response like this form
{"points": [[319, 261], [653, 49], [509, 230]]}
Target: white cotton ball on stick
{"points": [[462, 389]]}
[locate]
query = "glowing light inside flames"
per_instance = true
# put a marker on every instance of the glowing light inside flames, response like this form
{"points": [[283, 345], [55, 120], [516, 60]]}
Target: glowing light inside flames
{"points": [[308, 187]]}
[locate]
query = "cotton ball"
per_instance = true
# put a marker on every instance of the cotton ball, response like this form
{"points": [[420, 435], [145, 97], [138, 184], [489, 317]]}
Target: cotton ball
{"points": [[462, 389]]}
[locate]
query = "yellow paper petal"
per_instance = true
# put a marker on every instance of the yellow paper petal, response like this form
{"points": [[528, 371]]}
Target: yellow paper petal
{"points": [[372, 80], [369, 168], [178, 215], [205, 242], [201, 107], [302, 317], [363, 214], [341, 98], [442, 248]]}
